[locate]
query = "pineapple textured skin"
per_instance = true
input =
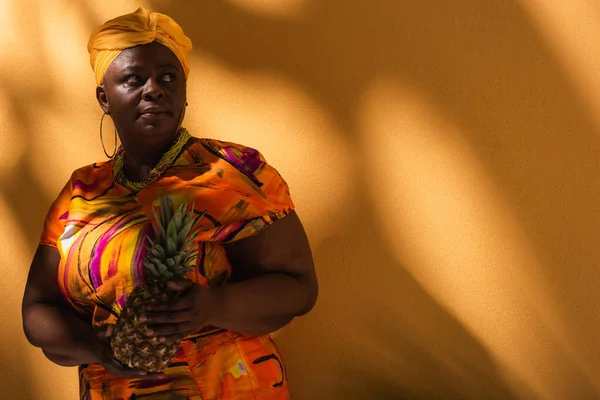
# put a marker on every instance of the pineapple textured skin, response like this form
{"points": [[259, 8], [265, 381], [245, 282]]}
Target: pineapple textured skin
{"points": [[171, 255], [131, 346]]}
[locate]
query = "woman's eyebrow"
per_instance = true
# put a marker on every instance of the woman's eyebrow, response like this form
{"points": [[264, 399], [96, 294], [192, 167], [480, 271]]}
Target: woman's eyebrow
{"points": [[168, 65], [131, 68], [138, 68]]}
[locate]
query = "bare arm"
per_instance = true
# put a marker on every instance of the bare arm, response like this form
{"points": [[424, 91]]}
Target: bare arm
{"points": [[273, 281], [48, 322], [51, 324]]}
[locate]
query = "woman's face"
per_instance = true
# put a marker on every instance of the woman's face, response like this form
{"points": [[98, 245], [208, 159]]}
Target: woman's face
{"points": [[144, 91]]}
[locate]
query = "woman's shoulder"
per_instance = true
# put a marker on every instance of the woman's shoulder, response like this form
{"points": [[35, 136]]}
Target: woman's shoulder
{"points": [[96, 172], [244, 158]]}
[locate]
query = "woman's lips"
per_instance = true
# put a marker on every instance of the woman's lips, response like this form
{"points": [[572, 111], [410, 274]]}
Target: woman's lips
{"points": [[154, 115]]}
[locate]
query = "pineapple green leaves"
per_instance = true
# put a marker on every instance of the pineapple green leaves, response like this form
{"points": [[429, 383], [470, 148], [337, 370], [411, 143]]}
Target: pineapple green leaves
{"points": [[171, 253]]}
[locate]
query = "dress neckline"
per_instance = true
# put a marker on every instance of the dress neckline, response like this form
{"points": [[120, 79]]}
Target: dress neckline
{"points": [[161, 167]]}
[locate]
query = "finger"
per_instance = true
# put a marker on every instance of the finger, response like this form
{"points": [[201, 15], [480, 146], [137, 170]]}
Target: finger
{"points": [[156, 375], [168, 329], [116, 368], [180, 303], [180, 285], [149, 375], [137, 374], [109, 330], [105, 332], [170, 317], [119, 370], [179, 336]]}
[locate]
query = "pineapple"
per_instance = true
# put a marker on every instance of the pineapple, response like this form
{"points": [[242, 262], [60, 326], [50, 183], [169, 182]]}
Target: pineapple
{"points": [[171, 255]]}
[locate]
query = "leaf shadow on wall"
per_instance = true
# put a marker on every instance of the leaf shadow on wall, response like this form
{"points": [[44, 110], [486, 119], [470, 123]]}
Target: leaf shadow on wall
{"points": [[377, 334], [20, 189], [27, 98], [489, 73]]}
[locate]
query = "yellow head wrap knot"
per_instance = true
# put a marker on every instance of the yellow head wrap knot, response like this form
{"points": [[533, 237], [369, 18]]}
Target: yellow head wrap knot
{"points": [[130, 30]]}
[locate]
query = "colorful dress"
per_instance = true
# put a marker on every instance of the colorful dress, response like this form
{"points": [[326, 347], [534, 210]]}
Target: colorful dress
{"points": [[99, 228]]}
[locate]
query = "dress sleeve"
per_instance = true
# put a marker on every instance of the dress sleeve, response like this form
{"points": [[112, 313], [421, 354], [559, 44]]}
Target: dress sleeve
{"points": [[278, 203], [269, 201], [56, 219]]}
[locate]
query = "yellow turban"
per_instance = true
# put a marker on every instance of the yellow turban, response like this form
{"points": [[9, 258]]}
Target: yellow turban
{"points": [[129, 30]]}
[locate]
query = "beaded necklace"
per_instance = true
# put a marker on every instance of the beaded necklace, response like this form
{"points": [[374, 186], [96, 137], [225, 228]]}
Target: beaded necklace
{"points": [[164, 163]]}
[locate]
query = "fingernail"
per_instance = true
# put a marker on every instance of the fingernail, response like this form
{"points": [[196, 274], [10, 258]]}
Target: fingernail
{"points": [[143, 318], [149, 331], [162, 339]]}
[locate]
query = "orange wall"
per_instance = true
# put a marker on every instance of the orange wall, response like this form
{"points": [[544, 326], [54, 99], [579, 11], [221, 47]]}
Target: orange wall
{"points": [[443, 155]]}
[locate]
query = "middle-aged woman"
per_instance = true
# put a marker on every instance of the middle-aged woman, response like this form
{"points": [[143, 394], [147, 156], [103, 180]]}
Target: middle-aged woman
{"points": [[254, 270]]}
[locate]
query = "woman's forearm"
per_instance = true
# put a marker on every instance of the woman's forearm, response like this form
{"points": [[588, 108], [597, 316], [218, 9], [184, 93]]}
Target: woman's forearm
{"points": [[262, 304], [61, 359], [65, 339]]}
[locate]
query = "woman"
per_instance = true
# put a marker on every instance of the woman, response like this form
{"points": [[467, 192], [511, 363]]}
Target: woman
{"points": [[254, 271]]}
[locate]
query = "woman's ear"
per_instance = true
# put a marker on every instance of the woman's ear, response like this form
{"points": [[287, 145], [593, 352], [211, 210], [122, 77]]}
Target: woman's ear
{"points": [[102, 99]]}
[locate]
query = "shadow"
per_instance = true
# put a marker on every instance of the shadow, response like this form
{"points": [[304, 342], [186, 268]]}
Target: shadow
{"points": [[487, 71], [21, 190], [27, 201], [27, 97], [15, 376], [377, 334]]}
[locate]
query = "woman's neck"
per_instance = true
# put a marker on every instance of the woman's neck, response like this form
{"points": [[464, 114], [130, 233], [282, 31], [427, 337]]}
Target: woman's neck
{"points": [[138, 164], [137, 170]]}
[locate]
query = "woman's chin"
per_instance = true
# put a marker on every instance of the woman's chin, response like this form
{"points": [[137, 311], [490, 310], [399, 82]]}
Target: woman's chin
{"points": [[156, 126], [155, 134]]}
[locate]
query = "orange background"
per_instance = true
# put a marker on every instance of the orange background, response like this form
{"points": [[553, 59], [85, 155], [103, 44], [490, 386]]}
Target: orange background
{"points": [[442, 154]]}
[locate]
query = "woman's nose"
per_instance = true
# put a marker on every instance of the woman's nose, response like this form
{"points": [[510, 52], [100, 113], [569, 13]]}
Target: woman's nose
{"points": [[152, 90]]}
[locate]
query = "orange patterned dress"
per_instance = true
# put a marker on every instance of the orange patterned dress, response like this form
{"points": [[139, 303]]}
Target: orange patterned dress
{"points": [[100, 229]]}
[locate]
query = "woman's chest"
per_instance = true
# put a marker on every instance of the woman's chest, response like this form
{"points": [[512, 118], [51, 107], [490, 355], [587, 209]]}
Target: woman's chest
{"points": [[103, 249]]}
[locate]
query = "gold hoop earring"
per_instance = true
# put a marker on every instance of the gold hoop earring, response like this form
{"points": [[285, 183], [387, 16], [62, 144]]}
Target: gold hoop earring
{"points": [[182, 115], [102, 138]]}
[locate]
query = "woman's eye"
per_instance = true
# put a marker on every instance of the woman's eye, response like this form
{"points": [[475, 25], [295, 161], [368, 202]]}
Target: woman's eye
{"points": [[133, 79], [169, 77]]}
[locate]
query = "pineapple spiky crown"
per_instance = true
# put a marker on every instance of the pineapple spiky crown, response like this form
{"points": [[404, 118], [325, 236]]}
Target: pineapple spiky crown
{"points": [[171, 252]]}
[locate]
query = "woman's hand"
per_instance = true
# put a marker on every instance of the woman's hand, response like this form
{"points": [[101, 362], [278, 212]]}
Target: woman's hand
{"points": [[103, 352], [184, 314]]}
